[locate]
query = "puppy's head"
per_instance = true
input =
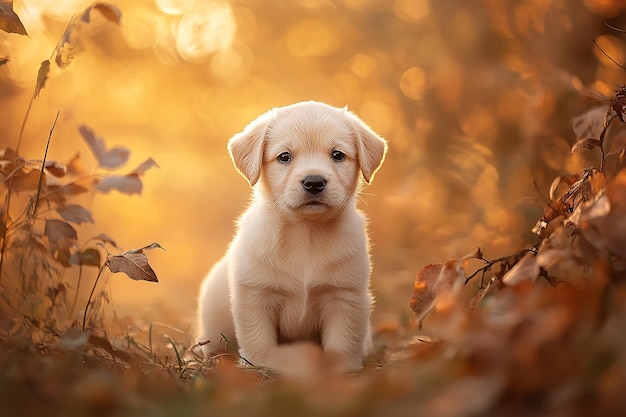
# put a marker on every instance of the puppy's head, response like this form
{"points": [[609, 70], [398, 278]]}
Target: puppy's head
{"points": [[306, 158]]}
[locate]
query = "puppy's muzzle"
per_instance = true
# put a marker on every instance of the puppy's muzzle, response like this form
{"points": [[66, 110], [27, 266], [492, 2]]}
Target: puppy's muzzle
{"points": [[314, 184]]}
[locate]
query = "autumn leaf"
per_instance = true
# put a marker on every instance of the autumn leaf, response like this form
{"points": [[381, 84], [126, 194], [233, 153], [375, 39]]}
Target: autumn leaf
{"points": [[153, 245], [74, 167], [586, 144], [55, 169], [107, 158], [27, 180], [526, 268], [567, 179], [135, 265], [74, 338], [42, 77], [88, 257], [62, 237], [75, 213], [144, 166], [9, 20], [127, 184], [104, 238], [109, 11], [434, 283], [589, 124]]}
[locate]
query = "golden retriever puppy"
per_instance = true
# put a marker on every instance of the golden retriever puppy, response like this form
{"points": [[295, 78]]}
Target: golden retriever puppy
{"points": [[298, 268]]}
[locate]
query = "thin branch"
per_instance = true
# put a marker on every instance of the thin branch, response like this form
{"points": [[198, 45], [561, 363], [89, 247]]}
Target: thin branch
{"points": [[608, 56], [43, 165], [93, 289]]}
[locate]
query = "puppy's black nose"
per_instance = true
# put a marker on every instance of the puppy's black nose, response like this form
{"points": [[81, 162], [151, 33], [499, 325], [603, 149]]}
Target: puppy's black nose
{"points": [[314, 183]]}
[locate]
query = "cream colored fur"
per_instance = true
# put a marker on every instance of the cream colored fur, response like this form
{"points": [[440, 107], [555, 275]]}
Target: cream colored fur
{"points": [[298, 268]]}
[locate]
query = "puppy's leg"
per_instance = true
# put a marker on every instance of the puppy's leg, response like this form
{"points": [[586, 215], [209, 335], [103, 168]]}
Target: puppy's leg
{"points": [[345, 321], [255, 311], [214, 315]]}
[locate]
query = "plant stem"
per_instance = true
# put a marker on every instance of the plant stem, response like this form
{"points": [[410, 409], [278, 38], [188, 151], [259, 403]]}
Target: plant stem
{"points": [[93, 289], [43, 165]]}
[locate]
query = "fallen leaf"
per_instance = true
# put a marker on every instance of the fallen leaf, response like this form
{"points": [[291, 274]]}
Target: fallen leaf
{"points": [[9, 20], [432, 282], [74, 338], [75, 213], [127, 184], [109, 11], [135, 265]]}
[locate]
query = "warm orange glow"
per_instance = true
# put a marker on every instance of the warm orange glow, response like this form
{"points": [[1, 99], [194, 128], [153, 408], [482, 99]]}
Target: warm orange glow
{"points": [[464, 93]]}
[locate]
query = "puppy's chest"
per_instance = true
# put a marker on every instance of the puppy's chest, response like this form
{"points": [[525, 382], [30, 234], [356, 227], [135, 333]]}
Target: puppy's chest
{"points": [[311, 262]]}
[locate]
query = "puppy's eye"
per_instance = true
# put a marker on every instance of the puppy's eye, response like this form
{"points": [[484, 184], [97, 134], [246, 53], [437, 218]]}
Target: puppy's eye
{"points": [[284, 158], [338, 156]]}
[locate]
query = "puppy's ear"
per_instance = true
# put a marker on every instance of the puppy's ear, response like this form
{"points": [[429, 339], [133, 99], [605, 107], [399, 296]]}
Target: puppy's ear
{"points": [[371, 148], [246, 148]]}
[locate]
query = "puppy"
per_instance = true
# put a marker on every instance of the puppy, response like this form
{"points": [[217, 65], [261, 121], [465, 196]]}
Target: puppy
{"points": [[298, 267]]}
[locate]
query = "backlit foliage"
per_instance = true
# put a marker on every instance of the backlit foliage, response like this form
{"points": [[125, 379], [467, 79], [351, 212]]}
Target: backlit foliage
{"points": [[495, 112]]}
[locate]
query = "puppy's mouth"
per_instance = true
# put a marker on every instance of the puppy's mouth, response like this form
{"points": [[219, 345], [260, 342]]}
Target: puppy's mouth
{"points": [[314, 205]]}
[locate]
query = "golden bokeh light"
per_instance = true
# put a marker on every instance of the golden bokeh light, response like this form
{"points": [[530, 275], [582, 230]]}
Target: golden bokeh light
{"points": [[312, 37], [474, 98], [207, 27], [413, 83]]}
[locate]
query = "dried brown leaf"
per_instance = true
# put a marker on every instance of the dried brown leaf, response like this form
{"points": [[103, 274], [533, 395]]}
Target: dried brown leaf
{"points": [[55, 169], [104, 238], [553, 210], [74, 338], [109, 11], [127, 184], [153, 245], [9, 20], [590, 123], [107, 158], [88, 257], [62, 237], [135, 265], [74, 167], [432, 282], [567, 179], [618, 145], [526, 268], [26, 180], [586, 144], [42, 77], [75, 213], [144, 166]]}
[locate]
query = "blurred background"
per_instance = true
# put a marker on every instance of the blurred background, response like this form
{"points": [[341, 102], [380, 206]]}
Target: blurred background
{"points": [[475, 98]]}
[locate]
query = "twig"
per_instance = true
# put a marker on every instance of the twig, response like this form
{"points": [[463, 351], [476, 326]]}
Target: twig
{"points": [[514, 259], [93, 289], [608, 56], [43, 165]]}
